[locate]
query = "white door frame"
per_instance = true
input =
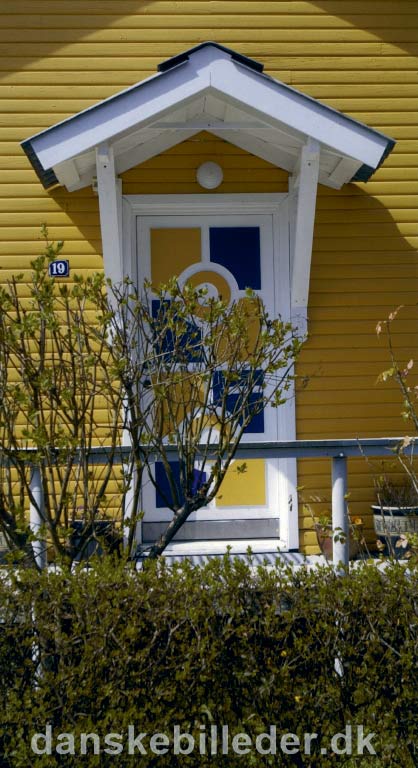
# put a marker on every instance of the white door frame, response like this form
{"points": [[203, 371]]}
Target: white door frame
{"points": [[275, 205]]}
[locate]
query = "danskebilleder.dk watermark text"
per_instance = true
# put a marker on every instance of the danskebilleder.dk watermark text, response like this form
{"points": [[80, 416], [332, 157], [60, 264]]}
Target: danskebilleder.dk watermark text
{"points": [[206, 740]]}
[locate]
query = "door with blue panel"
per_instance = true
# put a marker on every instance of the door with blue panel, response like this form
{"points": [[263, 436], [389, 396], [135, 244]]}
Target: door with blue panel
{"points": [[227, 255]]}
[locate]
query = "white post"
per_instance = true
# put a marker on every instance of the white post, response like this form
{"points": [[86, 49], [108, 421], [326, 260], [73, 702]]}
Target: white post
{"points": [[303, 187], [129, 510], [36, 518], [110, 204], [109, 188], [340, 527]]}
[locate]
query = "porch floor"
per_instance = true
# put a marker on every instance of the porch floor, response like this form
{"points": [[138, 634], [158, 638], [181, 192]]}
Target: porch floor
{"points": [[262, 551]]}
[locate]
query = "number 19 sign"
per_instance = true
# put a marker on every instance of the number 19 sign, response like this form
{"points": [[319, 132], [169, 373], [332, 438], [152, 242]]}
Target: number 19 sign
{"points": [[59, 268]]}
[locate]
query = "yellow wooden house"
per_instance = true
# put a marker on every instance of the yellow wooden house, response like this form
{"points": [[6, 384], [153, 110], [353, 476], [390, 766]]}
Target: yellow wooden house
{"points": [[245, 143]]}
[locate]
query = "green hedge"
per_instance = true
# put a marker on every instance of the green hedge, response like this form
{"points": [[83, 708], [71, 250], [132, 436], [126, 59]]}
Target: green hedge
{"points": [[224, 645]]}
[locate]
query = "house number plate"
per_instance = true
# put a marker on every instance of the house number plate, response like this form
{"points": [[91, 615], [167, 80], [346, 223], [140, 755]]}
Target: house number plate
{"points": [[59, 268]]}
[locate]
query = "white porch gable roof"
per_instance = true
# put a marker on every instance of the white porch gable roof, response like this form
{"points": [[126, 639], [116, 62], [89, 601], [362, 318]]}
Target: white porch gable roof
{"points": [[215, 89]]}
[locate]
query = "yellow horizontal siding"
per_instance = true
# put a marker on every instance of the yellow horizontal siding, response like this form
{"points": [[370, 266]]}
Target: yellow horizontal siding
{"points": [[187, 38], [126, 7], [382, 396], [179, 30], [351, 97], [349, 354], [219, 17], [302, 73], [359, 339], [136, 67], [174, 172], [356, 55]]}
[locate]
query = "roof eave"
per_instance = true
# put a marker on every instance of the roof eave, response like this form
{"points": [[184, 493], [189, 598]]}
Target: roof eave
{"points": [[366, 171], [46, 176]]}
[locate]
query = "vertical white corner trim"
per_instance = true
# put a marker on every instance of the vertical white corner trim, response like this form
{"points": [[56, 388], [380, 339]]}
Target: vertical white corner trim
{"points": [[304, 188], [110, 205]]}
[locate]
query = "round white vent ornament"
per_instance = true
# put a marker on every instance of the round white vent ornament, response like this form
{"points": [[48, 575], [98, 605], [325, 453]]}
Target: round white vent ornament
{"points": [[209, 175]]}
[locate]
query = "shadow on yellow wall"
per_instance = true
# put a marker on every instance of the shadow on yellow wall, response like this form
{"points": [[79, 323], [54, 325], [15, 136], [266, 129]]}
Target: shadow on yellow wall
{"points": [[34, 30], [394, 22], [364, 264]]}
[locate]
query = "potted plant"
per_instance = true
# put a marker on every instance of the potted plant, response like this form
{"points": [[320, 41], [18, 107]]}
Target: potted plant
{"points": [[395, 514], [409, 543], [325, 536], [93, 538]]}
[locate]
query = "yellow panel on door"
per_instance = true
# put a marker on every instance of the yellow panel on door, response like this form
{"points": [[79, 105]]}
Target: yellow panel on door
{"points": [[172, 250], [244, 489]]}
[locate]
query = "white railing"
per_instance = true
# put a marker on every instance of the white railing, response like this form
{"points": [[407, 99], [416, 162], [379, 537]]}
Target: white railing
{"points": [[338, 451]]}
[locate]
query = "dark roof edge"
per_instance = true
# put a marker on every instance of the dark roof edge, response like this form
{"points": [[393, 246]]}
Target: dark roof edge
{"points": [[365, 172], [47, 177], [164, 66]]}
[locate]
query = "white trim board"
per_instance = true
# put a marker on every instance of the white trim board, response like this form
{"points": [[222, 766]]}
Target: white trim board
{"points": [[156, 205]]}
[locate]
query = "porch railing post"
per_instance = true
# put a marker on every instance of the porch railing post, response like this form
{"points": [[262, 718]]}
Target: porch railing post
{"points": [[339, 511], [36, 511]]}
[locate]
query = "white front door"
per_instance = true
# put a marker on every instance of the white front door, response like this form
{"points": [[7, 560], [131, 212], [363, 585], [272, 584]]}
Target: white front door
{"points": [[228, 252]]}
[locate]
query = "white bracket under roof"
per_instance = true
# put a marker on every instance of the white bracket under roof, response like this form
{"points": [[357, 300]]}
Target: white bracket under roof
{"points": [[303, 185], [67, 174]]}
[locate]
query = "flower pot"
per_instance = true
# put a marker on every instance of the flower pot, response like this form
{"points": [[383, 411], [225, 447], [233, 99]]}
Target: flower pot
{"points": [[101, 532], [390, 523], [325, 541]]}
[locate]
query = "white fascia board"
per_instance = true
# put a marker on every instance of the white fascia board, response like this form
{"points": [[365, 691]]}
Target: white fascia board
{"points": [[106, 121], [275, 103]]}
